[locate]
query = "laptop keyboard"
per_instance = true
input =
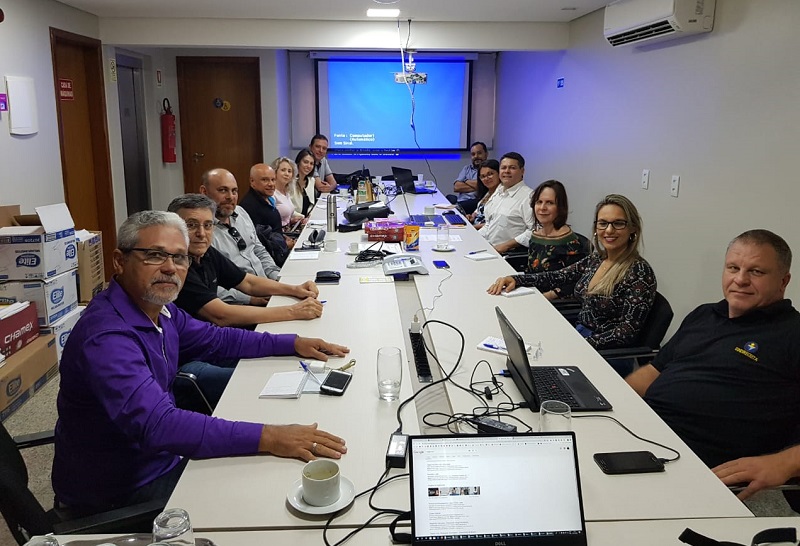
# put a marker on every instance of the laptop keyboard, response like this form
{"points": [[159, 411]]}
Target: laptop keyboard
{"points": [[550, 387]]}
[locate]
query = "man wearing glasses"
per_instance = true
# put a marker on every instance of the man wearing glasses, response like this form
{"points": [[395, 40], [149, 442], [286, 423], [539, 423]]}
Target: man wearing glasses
{"points": [[210, 269], [235, 235], [120, 439]]}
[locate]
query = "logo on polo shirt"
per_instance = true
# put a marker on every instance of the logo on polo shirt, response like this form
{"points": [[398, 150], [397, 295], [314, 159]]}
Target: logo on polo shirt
{"points": [[749, 350]]}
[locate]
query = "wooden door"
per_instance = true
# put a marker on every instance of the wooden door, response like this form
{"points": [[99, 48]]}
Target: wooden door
{"points": [[83, 134], [220, 117]]}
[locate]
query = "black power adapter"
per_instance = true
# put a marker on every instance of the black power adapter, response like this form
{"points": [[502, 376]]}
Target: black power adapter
{"points": [[492, 426], [397, 450]]}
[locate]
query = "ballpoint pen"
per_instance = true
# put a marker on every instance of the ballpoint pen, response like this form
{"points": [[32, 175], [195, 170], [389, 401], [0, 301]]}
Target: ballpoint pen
{"points": [[309, 372], [492, 346], [476, 252]]}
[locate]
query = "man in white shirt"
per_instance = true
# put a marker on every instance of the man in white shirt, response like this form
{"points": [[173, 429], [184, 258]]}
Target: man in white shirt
{"points": [[323, 175], [509, 216]]}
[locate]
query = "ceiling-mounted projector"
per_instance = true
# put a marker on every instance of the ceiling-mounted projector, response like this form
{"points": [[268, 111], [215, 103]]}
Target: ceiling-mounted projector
{"points": [[411, 77]]}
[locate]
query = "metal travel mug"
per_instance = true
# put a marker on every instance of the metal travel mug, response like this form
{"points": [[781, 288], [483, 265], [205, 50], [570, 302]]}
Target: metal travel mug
{"points": [[332, 218]]}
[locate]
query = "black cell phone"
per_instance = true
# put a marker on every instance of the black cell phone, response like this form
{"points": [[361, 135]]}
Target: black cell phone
{"points": [[628, 462], [441, 264], [335, 383], [328, 277]]}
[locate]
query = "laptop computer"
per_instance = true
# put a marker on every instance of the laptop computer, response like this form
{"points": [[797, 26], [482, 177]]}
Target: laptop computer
{"points": [[565, 383], [485, 490], [406, 181]]}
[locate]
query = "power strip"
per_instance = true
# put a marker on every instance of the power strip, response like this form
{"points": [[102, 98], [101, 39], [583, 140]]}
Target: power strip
{"points": [[493, 426], [363, 265]]}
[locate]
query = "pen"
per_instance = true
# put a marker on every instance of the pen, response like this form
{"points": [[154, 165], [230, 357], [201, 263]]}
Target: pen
{"points": [[476, 252], [496, 347], [323, 302], [309, 372]]}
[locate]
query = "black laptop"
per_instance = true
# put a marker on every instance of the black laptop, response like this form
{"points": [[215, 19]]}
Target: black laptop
{"points": [[405, 180], [565, 383], [485, 490]]}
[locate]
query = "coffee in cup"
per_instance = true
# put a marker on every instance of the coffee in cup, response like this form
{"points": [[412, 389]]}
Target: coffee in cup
{"points": [[321, 482]]}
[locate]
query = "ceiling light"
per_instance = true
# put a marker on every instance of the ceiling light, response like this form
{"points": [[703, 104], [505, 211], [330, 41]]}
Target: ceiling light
{"points": [[382, 12], [385, 2]]}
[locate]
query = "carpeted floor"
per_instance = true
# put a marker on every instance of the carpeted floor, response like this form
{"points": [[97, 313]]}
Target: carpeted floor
{"points": [[40, 413]]}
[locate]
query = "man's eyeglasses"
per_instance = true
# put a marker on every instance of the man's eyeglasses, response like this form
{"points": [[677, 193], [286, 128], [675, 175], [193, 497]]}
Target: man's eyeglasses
{"points": [[153, 256], [616, 224], [240, 242], [192, 225]]}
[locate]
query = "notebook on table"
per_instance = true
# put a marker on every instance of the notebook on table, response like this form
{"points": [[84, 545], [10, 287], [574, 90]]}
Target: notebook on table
{"points": [[484, 490], [565, 383]]}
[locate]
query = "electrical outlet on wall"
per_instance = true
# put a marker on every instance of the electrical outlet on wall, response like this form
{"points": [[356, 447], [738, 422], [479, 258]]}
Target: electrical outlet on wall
{"points": [[675, 185], [645, 179]]}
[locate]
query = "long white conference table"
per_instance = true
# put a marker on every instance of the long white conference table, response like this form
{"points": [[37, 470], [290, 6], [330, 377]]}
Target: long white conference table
{"points": [[651, 533], [249, 493]]}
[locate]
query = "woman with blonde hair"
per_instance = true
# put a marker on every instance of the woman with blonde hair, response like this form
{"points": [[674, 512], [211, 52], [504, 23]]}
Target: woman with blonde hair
{"points": [[615, 284], [284, 176]]}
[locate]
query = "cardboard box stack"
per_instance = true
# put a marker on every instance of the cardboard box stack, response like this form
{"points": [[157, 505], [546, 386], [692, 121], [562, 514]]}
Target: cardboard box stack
{"points": [[38, 264], [91, 268]]}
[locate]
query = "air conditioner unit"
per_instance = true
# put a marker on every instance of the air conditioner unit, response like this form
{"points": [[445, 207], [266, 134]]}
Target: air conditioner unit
{"points": [[636, 21]]}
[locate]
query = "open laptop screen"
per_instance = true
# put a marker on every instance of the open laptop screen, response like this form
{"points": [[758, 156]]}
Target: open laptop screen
{"points": [[404, 179], [479, 490], [518, 365]]}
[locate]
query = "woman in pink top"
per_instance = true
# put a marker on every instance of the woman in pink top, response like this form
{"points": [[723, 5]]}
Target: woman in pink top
{"points": [[284, 174]]}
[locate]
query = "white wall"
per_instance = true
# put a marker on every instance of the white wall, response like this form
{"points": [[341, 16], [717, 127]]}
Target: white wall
{"points": [[31, 165], [720, 110]]}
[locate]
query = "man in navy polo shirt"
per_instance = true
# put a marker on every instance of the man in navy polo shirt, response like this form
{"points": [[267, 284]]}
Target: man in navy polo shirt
{"points": [[728, 382]]}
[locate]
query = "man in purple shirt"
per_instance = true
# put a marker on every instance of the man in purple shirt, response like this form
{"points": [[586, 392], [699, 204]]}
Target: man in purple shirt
{"points": [[119, 438]]}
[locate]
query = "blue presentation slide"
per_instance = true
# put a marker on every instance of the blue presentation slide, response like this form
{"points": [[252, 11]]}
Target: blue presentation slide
{"points": [[369, 110]]}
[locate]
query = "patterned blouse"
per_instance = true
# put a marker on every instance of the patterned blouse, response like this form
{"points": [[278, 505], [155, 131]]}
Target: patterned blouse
{"points": [[616, 320], [546, 254]]}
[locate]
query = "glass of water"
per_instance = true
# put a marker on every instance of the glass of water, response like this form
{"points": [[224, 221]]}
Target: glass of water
{"points": [[173, 527], [390, 372]]}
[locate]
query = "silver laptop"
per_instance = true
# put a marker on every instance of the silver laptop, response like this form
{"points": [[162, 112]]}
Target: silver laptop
{"points": [[485, 490]]}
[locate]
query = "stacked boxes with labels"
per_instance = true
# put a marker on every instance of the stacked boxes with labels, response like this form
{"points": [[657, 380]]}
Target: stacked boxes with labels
{"points": [[91, 269], [38, 264], [38, 261]]}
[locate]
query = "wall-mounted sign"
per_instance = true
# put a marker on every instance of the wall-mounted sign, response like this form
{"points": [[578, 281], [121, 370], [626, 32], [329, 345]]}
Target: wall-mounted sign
{"points": [[3, 102], [65, 91]]}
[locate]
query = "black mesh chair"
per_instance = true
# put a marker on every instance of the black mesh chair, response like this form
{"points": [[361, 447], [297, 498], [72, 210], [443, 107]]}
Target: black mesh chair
{"points": [[649, 341], [26, 517]]}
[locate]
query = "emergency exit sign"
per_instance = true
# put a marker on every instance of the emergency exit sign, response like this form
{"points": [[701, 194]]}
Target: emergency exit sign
{"points": [[65, 91]]}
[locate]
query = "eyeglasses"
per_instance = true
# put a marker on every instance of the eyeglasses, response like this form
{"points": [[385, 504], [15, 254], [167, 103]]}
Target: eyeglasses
{"points": [[154, 256], [616, 224], [240, 242], [192, 225]]}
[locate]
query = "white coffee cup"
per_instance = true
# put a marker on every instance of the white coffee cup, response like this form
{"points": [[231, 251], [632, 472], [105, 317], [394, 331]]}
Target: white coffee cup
{"points": [[430, 210], [331, 245], [420, 176], [321, 482], [354, 248]]}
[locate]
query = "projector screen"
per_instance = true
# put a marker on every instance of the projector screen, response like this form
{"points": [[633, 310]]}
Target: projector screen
{"points": [[361, 107]]}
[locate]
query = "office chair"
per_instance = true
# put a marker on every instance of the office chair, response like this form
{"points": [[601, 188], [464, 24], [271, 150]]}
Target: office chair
{"points": [[26, 517], [189, 395], [649, 341]]}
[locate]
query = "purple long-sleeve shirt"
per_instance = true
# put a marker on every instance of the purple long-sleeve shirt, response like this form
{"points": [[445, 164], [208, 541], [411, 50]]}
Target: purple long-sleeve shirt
{"points": [[118, 427]]}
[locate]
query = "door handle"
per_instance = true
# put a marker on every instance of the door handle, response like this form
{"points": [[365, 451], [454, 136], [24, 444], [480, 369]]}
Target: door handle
{"points": [[197, 156]]}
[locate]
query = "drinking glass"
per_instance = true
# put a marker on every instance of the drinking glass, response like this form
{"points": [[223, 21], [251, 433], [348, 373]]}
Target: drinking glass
{"points": [[443, 237], [390, 372], [555, 416], [173, 527], [42, 541]]}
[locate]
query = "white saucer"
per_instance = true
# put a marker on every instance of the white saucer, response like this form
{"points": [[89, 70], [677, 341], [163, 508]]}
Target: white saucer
{"points": [[347, 492], [449, 248]]}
